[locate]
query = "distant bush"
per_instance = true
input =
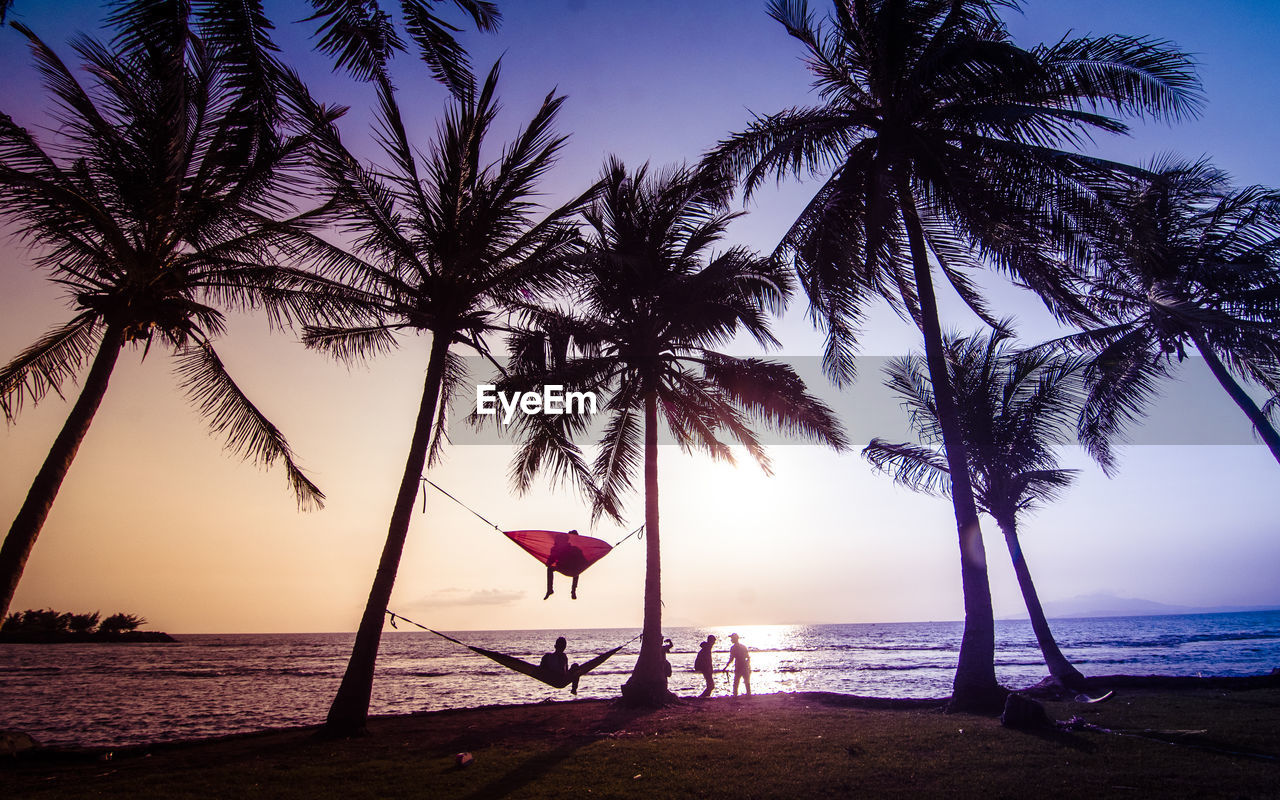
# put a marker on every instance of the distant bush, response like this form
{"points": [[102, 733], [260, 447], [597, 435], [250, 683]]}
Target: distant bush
{"points": [[83, 623], [118, 623], [43, 621], [41, 625]]}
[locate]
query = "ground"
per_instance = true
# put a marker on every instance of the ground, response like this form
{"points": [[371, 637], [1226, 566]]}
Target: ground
{"points": [[1200, 742]]}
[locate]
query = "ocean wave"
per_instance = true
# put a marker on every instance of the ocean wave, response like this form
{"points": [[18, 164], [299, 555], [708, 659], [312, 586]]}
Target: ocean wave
{"points": [[1170, 640], [230, 671], [889, 648], [114, 695], [901, 667]]}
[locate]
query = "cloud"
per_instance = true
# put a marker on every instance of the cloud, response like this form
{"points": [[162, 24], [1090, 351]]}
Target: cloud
{"points": [[464, 597]]}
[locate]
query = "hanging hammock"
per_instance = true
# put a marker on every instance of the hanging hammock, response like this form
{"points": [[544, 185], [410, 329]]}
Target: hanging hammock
{"points": [[553, 678], [542, 544]]}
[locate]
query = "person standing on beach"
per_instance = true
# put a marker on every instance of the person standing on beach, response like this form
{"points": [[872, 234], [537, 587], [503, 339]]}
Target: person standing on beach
{"points": [[702, 664], [557, 663], [740, 658], [566, 559]]}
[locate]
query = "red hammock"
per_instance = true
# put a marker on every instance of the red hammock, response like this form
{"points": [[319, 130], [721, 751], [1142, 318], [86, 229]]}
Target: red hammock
{"points": [[580, 553], [539, 544]]}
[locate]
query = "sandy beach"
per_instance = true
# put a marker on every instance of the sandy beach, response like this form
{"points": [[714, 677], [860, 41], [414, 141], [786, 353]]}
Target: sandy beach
{"points": [[1207, 741]]}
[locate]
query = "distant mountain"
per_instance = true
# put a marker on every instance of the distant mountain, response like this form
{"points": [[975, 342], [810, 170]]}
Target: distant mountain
{"points": [[1109, 605]]}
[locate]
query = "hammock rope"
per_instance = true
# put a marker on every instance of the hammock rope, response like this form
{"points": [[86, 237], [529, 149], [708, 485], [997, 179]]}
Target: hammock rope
{"points": [[552, 678]]}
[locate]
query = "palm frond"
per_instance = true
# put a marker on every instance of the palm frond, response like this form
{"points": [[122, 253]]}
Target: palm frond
{"points": [[438, 48], [547, 444], [46, 365], [351, 344], [455, 375], [1042, 486], [238, 35], [1133, 75], [699, 417], [773, 394], [921, 469], [620, 456], [143, 25], [357, 34], [248, 433]]}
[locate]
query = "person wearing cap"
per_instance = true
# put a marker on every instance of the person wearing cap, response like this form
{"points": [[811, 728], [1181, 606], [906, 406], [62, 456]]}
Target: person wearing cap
{"points": [[740, 658]]}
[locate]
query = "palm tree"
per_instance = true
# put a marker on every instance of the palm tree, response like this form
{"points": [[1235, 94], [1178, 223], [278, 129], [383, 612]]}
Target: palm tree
{"points": [[164, 199], [1188, 263], [362, 38], [84, 623], [440, 248], [651, 302], [121, 622], [1014, 409], [942, 139]]}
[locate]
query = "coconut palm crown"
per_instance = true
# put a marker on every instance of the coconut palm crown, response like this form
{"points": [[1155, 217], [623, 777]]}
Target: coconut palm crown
{"points": [[160, 204], [941, 142], [642, 328], [1190, 265], [1016, 410]]}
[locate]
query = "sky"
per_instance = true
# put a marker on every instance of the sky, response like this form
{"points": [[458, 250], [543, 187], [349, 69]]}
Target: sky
{"points": [[155, 519]]}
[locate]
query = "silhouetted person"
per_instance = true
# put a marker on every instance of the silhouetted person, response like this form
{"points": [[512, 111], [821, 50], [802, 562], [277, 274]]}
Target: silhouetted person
{"points": [[557, 663], [667, 644], [702, 664], [740, 658], [565, 558]]}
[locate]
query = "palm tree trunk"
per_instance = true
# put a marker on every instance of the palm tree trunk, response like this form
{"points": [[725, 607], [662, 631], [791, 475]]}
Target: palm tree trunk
{"points": [[1059, 667], [350, 709], [35, 509], [1251, 410], [975, 687], [647, 685]]}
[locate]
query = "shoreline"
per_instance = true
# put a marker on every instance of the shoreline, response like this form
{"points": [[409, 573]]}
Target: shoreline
{"points": [[1046, 691], [1219, 742], [124, 637]]}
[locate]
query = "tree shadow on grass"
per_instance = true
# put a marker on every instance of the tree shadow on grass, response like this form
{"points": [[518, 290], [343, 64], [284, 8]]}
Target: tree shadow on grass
{"points": [[540, 764], [1061, 738], [530, 770]]}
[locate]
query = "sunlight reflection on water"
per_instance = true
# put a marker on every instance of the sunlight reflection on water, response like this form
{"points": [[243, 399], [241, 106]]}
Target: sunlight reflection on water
{"points": [[112, 694]]}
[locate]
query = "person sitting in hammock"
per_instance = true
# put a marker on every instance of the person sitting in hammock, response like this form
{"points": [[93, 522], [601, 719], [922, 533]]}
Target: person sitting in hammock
{"points": [[566, 559], [556, 663]]}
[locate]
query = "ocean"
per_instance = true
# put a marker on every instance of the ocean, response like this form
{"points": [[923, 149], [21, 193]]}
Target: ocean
{"points": [[111, 695]]}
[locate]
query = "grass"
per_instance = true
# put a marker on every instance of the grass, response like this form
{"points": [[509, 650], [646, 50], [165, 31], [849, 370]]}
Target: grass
{"points": [[802, 745]]}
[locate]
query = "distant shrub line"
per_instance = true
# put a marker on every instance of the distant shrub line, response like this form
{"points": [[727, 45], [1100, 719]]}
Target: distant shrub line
{"points": [[47, 625]]}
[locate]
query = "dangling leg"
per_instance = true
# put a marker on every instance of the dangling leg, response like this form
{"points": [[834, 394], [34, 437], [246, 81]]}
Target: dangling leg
{"points": [[576, 678], [551, 576], [573, 590]]}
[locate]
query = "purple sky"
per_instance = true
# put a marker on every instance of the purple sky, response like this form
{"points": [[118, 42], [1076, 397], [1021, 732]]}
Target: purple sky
{"points": [[155, 519]]}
